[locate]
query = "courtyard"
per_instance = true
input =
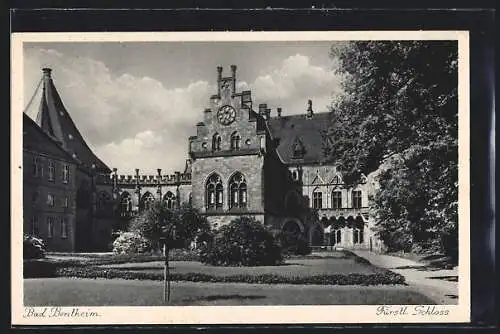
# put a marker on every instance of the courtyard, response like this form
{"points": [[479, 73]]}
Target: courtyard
{"points": [[322, 279]]}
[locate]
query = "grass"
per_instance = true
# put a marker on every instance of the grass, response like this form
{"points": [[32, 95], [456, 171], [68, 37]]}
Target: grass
{"points": [[339, 268], [101, 292]]}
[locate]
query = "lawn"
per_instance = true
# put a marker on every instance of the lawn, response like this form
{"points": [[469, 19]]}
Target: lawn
{"points": [[335, 268], [294, 267], [117, 292]]}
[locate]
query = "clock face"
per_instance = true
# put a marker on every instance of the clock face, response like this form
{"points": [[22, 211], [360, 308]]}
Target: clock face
{"points": [[226, 115]]}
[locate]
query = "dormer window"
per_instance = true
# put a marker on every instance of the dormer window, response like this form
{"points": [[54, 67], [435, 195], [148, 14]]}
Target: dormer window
{"points": [[298, 149], [235, 141], [216, 141]]}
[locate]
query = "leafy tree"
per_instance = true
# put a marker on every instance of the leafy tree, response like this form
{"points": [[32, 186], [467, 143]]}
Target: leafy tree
{"points": [[398, 115], [170, 228]]}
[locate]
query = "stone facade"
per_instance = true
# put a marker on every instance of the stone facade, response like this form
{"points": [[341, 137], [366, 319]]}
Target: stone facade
{"points": [[49, 190], [243, 161]]}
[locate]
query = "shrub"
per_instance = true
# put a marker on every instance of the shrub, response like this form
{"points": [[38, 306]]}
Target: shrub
{"points": [[33, 247], [131, 243], [293, 243], [243, 242]]}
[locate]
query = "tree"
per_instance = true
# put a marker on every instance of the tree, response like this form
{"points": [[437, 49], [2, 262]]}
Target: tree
{"points": [[170, 228], [243, 242], [398, 116]]}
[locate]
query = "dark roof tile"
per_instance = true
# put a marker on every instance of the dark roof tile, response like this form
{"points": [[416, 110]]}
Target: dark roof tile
{"points": [[304, 130]]}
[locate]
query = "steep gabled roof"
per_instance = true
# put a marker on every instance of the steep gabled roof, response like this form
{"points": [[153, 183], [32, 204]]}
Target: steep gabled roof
{"points": [[302, 130], [33, 135], [54, 119]]}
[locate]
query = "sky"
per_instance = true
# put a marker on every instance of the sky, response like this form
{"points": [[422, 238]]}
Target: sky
{"points": [[136, 103]]}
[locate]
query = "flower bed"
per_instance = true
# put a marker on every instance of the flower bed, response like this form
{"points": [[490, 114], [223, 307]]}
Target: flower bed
{"points": [[386, 277]]}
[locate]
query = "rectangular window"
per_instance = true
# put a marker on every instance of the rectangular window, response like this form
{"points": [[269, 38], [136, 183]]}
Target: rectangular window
{"points": [[34, 225], [317, 200], [358, 236], [337, 200], [65, 173], [52, 170], [64, 227], [50, 227], [356, 199], [36, 166], [50, 200], [65, 202]]}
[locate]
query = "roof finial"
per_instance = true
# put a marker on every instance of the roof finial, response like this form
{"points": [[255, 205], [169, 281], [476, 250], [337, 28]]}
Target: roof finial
{"points": [[309, 109], [47, 71]]}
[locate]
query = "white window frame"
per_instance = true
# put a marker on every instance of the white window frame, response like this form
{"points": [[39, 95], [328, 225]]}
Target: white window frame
{"points": [[65, 174], [64, 228], [52, 170], [51, 199], [50, 227]]}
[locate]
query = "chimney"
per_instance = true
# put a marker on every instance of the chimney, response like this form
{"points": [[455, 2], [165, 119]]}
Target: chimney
{"points": [[268, 114], [262, 108], [279, 112], [219, 79], [309, 109], [233, 74]]}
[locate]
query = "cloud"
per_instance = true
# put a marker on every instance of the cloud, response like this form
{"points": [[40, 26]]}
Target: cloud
{"points": [[117, 112], [145, 150], [294, 82], [136, 122]]}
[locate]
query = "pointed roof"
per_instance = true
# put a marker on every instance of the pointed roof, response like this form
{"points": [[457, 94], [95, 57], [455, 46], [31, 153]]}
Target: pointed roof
{"points": [[55, 120]]}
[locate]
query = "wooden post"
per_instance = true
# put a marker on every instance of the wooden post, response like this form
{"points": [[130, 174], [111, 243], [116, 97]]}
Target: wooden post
{"points": [[167, 269], [165, 273]]}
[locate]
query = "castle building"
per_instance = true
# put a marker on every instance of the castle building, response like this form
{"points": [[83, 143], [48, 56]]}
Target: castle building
{"points": [[242, 161], [61, 177]]}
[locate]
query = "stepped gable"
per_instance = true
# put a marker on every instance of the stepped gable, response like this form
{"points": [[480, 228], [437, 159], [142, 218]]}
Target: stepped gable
{"points": [[304, 131], [55, 120]]}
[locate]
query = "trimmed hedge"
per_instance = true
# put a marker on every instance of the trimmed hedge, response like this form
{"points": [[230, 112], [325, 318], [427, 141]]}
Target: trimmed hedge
{"points": [[384, 278], [357, 258], [39, 268]]}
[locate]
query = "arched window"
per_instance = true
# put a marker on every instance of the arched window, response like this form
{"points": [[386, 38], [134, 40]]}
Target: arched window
{"points": [[295, 175], [213, 192], [190, 199], [216, 140], [147, 200], [125, 204], [238, 191], [235, 141], [317, 199], [356, 199], [169, 199], [336, 199]]}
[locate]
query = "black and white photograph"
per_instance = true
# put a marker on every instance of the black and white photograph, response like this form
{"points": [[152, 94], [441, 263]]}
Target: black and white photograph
{"points": [[188, 171]]}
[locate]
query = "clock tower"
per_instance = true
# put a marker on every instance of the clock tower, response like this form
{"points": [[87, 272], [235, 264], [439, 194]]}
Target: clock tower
{"points": [[228, 154]]}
